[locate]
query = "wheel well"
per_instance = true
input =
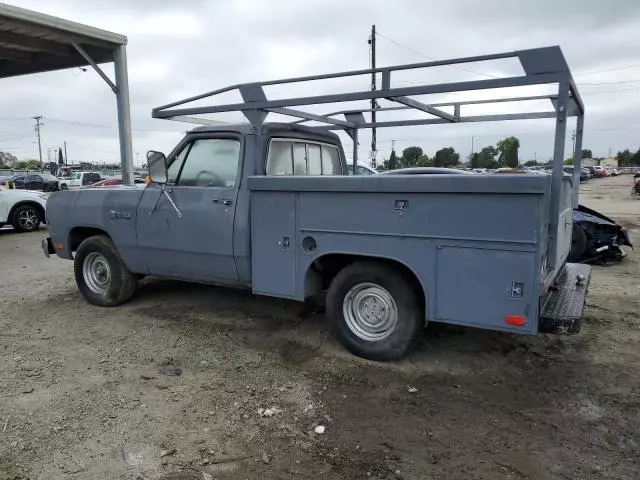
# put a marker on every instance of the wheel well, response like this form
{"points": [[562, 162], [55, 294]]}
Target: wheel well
{"points": [[323, 270], [39, 208], [79, 234]]}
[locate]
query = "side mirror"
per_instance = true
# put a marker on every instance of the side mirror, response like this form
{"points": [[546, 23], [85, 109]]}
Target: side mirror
{"points": [[157, 164]]}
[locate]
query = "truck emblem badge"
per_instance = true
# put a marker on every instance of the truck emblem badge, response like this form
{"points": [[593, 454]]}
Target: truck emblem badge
{"points": [[119, 215], [401, 205]]}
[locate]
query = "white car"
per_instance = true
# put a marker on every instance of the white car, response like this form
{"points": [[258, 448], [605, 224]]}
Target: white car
{"points": [[80, 179], [23, 209]]}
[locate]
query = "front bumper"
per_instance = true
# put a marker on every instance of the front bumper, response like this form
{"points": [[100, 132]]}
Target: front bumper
{"points": [[47, 247], [623, 237]]}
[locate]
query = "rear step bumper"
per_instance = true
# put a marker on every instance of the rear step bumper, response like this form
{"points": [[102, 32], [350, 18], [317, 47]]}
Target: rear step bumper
{"points": [[562, 306]]}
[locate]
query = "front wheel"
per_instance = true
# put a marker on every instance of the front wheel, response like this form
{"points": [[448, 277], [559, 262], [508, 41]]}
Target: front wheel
{"points": [[101, 275], [26, 218], [375, 311]]}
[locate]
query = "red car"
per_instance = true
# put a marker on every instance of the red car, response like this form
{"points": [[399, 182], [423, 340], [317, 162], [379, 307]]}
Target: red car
{"points": [[108, 182]]}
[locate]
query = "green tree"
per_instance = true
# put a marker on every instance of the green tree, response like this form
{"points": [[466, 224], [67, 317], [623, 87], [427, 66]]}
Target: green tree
{"points": [[487, 157], [508, 152], [586, 153], [624, 158], [530, 163], [635, 159], [411, 156], [475, 160], [33, 164], [60, 157], [425, 161], [392, 163], [446, 157], [568, 161]]}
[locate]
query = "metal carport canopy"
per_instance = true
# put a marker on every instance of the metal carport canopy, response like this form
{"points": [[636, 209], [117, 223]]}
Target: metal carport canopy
{"points": [[32, 42]]}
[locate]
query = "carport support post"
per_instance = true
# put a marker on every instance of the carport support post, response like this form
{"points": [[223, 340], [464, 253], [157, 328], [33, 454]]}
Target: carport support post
{"points": [[124, 114], [556, 177], [577, 160]]}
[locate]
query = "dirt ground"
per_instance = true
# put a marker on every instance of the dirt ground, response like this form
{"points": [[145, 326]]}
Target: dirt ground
{"points": [[91, 393]]}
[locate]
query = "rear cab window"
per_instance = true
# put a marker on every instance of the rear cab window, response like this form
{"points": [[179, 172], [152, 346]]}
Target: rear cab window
{"points": [[302, 157]]}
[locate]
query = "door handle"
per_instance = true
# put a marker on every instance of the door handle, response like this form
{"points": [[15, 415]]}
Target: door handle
{"points": [[226, 203]]}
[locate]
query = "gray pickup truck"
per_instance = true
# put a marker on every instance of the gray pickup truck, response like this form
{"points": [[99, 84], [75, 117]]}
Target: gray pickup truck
{"points": [[269, 207]]}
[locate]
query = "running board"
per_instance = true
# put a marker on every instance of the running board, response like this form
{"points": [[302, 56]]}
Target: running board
{"points": [[565, 301]]}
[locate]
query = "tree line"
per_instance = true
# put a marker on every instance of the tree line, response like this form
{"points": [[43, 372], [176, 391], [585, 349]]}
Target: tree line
{"points": [[626, 158], [504, 154]]}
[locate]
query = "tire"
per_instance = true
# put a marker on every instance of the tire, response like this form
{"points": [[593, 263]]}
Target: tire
{"points": [[579, 243], [64, 186], [26, 218], [101, 275], [382, 288]]}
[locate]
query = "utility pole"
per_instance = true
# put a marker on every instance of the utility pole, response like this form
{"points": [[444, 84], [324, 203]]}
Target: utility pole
{"points": [[65, 152], [372, 42], [472, 147], [38, 118], [573, 141], [535, 157]]}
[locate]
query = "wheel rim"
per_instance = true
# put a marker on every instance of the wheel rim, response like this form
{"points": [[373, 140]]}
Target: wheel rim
{"points": [[28, 219], [370, 312], [96, 273]]}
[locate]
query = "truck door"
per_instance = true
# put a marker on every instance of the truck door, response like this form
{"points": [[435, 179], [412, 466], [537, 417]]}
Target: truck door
{"points": [[193, 237]]}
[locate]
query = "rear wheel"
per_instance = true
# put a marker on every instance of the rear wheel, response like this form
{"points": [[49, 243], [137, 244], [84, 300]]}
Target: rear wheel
{"points": [[578, 244], [26, 218], [375, 311], [101, 275]]}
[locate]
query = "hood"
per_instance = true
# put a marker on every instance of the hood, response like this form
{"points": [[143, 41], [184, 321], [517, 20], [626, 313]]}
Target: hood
{"points": [[583, 213]]}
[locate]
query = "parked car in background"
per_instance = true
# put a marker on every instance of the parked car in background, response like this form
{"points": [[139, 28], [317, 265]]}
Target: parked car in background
{"points": [[361, 169], [23, 209], [34, 181], [41, 181], [570, 169], [107, 182], [600, 171], [80, 179], [12, 181]]}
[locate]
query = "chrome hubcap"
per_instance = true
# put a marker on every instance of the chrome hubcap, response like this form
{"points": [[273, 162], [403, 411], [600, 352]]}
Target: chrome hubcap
{"points": [[370, 312], [96, 273], [28, 219]]}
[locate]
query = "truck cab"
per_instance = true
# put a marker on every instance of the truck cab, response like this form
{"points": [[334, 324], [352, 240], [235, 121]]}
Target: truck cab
{"points": [[207, 172]]}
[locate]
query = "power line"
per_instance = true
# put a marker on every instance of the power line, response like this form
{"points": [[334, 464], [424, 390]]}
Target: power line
{"points": [[609, 83], [409, 49], [607, 70], [98, 125]]}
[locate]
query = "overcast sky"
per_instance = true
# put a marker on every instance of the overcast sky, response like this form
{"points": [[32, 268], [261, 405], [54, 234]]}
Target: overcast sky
{"points": [[179, 49]]}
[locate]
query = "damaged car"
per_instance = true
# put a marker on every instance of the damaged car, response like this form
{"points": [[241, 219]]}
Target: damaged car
{"points": [[596, 238]]}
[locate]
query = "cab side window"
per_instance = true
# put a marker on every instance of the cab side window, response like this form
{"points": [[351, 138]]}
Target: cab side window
{"points": [[176, 164], [209, 162], [297, 157]]}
